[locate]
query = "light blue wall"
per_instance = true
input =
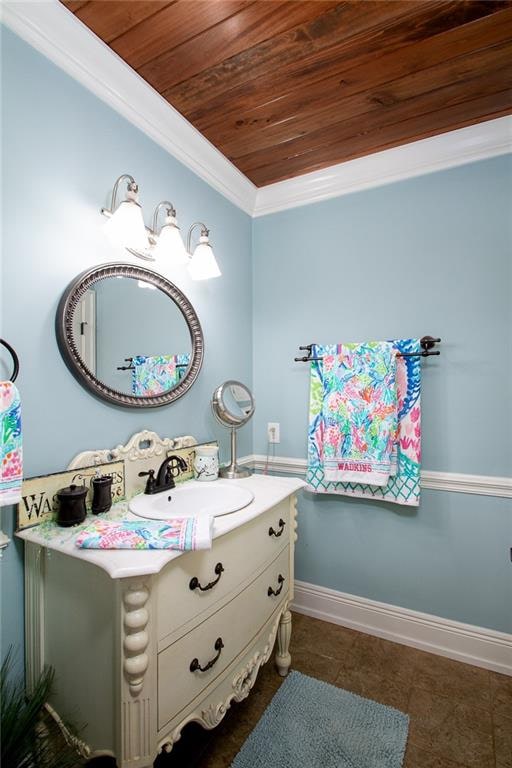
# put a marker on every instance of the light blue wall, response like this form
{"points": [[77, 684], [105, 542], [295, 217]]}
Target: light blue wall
{"points": [[431, 255], [62, 151]]}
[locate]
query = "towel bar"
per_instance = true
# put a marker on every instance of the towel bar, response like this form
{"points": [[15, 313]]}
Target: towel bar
{"points": [[15, 359], [427, 344], [131, 367]]}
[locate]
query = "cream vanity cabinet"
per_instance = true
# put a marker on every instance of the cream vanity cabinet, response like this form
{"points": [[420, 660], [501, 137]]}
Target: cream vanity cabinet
{"points": [[139, 655]]}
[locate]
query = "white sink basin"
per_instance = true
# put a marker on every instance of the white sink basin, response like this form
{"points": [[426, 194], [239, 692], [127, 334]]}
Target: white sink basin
{"points": [[220, 497]]}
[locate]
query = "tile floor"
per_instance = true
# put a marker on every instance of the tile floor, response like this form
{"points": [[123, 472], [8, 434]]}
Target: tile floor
{"points": [[461, 716]]}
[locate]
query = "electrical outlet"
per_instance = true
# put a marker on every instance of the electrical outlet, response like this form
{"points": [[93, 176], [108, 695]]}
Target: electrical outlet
{"points": [[273, 432]]}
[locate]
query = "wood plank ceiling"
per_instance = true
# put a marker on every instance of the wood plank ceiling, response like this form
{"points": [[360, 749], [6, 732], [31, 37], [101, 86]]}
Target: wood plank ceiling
{"points": [[283, 88]]}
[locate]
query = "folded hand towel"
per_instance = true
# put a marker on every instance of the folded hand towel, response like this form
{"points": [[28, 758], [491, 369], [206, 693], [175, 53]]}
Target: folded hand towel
{"points": [[155, 374], [11, 471], [403, 486], [359, 411], [184, 533]]}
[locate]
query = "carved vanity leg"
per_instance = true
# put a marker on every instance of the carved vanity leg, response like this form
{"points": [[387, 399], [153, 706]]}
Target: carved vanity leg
{"points": [[137, 744], [284, 633], [136, 638]]}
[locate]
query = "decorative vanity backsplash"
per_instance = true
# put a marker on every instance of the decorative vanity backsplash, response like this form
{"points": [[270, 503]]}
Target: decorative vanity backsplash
{"points": [[39, 494]]}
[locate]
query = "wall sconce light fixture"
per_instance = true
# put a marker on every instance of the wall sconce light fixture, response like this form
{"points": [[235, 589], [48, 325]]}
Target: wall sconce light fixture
{"points": [[125, 224], [125, 227], [203, 264], [169, 243]]}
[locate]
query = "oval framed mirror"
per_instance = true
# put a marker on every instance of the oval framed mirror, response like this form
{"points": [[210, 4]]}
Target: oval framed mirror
{"points": [[129, 336], [233, 405]]}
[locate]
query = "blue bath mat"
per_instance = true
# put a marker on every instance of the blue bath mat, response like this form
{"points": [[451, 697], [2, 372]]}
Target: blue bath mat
{"points": [[311, 724]]}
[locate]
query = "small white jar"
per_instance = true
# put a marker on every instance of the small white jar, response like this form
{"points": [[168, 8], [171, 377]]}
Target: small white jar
{"points": [[206, 463]]}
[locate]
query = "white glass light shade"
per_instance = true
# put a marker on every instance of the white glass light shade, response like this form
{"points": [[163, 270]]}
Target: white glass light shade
{"points": [[203, 265], [126, 226], [170, 247]]}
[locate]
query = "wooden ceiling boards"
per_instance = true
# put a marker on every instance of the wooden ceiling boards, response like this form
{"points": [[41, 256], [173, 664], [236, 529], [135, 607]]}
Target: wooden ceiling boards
{"points": [[282, 88]]}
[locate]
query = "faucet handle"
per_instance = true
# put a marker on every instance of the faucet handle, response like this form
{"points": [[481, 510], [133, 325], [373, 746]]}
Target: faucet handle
{"points": [[151, 482]]}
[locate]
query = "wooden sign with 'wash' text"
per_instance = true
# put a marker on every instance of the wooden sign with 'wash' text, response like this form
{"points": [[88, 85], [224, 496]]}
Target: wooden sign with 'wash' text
{"points": [[39, 494]]}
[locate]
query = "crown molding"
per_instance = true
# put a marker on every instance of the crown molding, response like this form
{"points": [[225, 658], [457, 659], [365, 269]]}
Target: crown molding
{"points": [[54, 31], [465, 145], [481, 485]]}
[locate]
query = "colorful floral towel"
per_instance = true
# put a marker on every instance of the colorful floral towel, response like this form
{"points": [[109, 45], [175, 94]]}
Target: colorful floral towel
{"points": [[11, 473], [178, 533], [155, 374], [359, 413], [404, 486]]}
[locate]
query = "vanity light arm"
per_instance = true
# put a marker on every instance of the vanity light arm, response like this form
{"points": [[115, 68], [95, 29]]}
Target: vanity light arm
{"points": [[204, 233], [132, 187], [171, 211]]}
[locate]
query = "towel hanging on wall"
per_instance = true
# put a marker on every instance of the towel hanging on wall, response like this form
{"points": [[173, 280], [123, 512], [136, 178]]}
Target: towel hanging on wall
{"points": [[359, 413], [11, 469], [402, 487]]}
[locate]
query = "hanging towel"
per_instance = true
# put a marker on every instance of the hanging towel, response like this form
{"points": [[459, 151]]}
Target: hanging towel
{"points": [[184, 533], [359, 412], [403, 486], [11, 473], [155, 374]]}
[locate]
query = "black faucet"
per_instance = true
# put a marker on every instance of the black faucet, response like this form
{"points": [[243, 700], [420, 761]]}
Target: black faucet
{"points": [[164, 480]]}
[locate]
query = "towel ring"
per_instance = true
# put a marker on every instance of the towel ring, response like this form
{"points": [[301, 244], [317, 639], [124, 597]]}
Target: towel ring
{"points": [[15, 359]]}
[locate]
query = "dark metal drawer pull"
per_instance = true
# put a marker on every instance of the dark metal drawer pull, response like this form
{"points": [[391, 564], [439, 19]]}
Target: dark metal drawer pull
{"points": [[282, 524], [194, 582], [280, 580], [195, 665]]}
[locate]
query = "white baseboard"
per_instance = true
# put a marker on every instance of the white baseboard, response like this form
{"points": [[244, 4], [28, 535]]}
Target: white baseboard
{"points": [[463, 642]]}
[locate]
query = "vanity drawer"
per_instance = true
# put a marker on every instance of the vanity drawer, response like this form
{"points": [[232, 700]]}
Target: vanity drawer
{"points": [[218, 640], [228, 566]]}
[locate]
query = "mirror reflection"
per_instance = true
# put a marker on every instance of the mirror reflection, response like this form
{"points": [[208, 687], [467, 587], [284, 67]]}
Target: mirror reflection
{"points": [[132, 336], [237, 401]]}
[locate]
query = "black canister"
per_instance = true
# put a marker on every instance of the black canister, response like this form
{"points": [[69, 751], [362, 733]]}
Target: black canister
{"points": [[71, 505], [101, 494]]}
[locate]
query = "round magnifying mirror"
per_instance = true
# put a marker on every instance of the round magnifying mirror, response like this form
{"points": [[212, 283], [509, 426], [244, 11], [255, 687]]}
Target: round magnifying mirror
{"points": [[233, 406]]}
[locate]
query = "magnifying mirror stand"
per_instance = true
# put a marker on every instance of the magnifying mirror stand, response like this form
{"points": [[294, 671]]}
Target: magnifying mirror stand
{"points": [[233, 405], [233, 471]]}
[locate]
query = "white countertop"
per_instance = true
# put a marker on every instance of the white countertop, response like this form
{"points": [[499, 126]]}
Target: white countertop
{"points": [[268, 491]]}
